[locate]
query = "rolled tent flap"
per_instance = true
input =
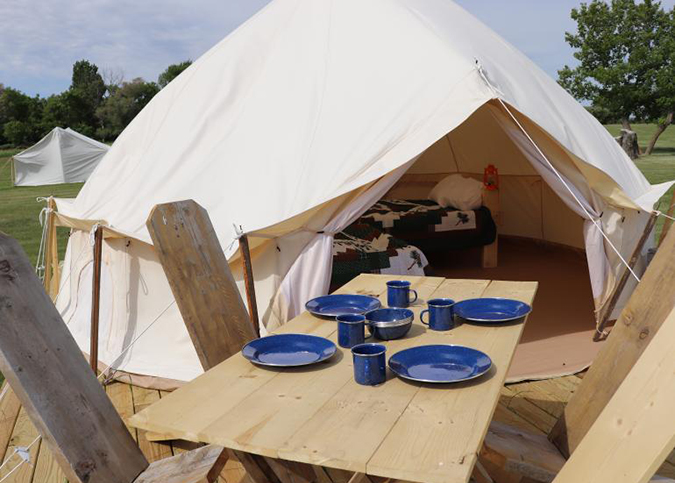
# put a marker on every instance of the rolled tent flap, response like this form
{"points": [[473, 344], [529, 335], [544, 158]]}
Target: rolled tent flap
{"points": [[309, 276]]}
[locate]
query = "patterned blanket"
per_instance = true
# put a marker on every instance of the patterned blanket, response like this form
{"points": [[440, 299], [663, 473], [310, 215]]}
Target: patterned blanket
{"points": [[415, 215], [362, 248], [431, 227]]}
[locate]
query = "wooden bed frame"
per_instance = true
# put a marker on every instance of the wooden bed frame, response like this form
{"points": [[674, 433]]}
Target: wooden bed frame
{"points": [[419, 185]]}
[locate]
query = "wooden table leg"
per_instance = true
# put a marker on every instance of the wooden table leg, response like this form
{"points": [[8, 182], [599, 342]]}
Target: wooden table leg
{"points": [[256, 467]]}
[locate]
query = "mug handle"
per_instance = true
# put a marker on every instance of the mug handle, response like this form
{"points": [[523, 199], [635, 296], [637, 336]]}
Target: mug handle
{"points": [[413, 300], [369, 330], [425, 311]]}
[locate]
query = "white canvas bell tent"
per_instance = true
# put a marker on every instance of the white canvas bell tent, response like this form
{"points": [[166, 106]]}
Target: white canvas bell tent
{"points": [[304, 117], [62, 156]]}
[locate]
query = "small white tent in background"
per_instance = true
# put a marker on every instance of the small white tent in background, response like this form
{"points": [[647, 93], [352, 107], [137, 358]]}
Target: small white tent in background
{"points": [[306, 116], [62, 156]]}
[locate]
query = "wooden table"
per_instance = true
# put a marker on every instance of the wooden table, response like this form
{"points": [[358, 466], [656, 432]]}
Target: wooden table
{"points": [[320, 416]]}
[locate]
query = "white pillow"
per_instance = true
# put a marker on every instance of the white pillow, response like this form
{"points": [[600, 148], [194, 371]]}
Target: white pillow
{"points": [[458, 192]]}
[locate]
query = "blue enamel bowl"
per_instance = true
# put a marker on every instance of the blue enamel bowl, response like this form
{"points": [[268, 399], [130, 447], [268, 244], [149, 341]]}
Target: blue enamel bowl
{"points": [[389, 324], [288, 350]]}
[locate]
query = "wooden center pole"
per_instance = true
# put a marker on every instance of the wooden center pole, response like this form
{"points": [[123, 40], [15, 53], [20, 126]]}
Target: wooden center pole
{"points": [[249, 283], [95, 299]]}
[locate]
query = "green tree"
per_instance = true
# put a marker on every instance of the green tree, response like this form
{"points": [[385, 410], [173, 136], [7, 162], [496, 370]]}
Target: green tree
{"points": [[84, 97], [171, 72], [663, 110], [123, 104], [57, 112], [19, 117], [616, 45]]}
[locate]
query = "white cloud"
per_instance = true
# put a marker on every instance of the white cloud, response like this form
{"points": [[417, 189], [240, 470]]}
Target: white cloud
{"points": [[41, 39]]}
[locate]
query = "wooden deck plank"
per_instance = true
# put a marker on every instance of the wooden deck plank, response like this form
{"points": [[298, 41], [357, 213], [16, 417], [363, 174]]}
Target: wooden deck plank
{"points": [[536, 395], [528, 410], [9, 412], [142, 399], [506, 415], [23, 435], [122, 398], [47, 469]]}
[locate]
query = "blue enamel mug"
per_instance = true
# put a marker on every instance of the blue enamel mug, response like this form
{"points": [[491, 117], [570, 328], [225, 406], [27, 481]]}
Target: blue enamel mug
{"points": [[351, 330], [398, 294], [441, 314], [369, 364]]}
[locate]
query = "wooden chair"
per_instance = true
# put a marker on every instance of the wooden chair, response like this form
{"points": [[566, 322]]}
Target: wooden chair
{"points": [[617, 426]]}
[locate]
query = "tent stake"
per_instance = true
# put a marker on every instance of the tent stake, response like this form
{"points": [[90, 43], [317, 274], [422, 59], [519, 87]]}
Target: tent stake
{"points": [[95, 299], [248, 282], [624, 278]]}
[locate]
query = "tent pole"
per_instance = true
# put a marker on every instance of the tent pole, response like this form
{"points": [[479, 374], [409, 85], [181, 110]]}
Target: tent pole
{"points": [[248, 282], [667, 224], [624, 278], [95, 299], [51, 261]]}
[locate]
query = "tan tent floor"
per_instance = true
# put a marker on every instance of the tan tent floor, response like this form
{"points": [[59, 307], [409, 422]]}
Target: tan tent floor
{"points": [[558, 336]]}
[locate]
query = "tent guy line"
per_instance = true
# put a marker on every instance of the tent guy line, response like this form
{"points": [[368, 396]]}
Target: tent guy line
{"points": [[555, 171]]}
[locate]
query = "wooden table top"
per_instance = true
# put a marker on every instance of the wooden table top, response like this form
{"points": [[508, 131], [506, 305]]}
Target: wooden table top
{"points": [[319, 415]]}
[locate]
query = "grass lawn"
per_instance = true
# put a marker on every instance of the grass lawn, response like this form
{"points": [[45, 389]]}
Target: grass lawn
{"points": [[658, 167], [19, 211]]}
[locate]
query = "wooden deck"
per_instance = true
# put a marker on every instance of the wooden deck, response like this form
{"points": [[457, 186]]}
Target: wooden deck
{"points": [[534, 406]]}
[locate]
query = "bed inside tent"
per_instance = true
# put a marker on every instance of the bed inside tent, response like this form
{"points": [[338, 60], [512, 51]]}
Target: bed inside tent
{"points": [[539, 237]]}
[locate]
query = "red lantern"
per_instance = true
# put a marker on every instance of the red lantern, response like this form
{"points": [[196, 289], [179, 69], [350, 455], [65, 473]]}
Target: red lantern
{"points": [[491, 178]]}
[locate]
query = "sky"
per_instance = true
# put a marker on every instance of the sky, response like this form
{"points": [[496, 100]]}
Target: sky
{"points": [[41, 39]]}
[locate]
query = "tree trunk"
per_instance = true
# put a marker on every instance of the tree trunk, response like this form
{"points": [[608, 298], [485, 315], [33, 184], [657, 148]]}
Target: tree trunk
{"points": [[662, 126], [625, 123], [629, 143]]}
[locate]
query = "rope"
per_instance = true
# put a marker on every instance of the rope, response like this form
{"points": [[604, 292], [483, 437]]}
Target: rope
{"points": [[137, 337], [42, 217], [23, 459], [555, 171], [660, 213]]}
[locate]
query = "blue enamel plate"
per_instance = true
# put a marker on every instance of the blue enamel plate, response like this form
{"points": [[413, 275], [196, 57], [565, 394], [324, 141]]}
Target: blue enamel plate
{"points": [[491, 310], [342, 304], [440, 364], [288, 350]]}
